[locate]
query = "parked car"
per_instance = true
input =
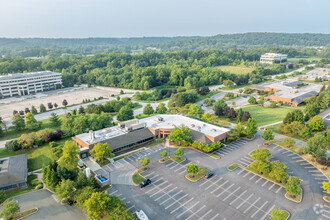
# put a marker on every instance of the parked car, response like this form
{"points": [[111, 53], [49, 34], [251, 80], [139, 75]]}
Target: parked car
{"points": [[145, 183], [209, 175]]}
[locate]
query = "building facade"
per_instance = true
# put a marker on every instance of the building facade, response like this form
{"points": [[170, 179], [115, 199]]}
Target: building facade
{"points": [[271, 58], [136, 132], [21, 84]]}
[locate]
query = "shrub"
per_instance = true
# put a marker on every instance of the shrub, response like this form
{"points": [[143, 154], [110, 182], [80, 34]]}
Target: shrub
{"points": [[13, 145]]}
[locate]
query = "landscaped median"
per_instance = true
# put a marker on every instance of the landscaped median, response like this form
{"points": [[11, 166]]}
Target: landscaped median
{"points": [[173, 158], [233, 167], [137, 178], [24, 214], [195, 177]]}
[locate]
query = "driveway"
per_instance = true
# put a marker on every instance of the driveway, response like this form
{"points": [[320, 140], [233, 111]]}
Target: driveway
{"points": [[48, 208]]}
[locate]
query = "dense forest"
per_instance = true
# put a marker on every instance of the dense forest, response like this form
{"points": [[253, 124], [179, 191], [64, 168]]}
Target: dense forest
{"points": [[191, 69], [34, 47]]}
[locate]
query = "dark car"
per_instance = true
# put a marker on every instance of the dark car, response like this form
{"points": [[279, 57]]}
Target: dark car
{"points": [[145, 183], [209, 175]]}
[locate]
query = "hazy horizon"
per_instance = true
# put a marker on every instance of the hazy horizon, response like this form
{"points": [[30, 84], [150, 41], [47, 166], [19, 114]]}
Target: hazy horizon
{"points": [[147, 18]]}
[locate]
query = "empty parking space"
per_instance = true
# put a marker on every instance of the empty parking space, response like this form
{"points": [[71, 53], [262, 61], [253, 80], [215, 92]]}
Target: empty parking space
{"points": [[230, 147]]}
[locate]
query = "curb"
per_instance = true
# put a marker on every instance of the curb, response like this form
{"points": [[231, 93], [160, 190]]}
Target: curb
{"points": [[30, 213]]}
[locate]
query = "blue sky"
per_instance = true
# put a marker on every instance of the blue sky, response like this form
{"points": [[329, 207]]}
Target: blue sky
{"points": [[138, 18]]}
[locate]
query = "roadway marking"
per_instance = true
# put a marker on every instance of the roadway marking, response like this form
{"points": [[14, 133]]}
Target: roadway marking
{"points": [[196, 212], [175, 165], [241, 171], [205, 182], [278, 190], [187, 210], [113, 193], [252, 177], [267, 212], [246, 174], [182, 205], [237, 197], [149, 174], [264, 183], [182, 171], [226, 190], [233, 193], [131, 207], [258, 179], [165, 194], [246, 201], [271, 186], [160, 190], [206, 213], [286, 152], [213, 183], [170, 197], [176, 201], [259, 209], [214, 217], [170, 164]]}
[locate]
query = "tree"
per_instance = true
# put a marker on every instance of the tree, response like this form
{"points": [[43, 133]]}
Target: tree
{"points": [[55, 120], [65, 189], [97, 205], [192, 169], [246, 116], [161, 108], [268, 135], [125, 113], [296, 115], [305, 133], [316, 123], [64, 103], [148, 110], [69, 157], [228, 83], [221, 103], [277, 214], [316, 146], [209, 102], [251, 127], [179, 152], [3, 196], [294, 127], [252, 100], [261, 166], [101, 151], [10, 209], [34, 110], [312, 109], [239, 129], [26, 110], [195, 111], [83, 195], [18, 122], [163, 153], [261, 154], [31, 123], [289, 142], [144, 161], [278, 171], [81, 110], [180, 135], [42, 108], [293, 186]]}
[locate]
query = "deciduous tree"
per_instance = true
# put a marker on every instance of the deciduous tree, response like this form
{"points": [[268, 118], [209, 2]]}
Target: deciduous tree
{"points": [[101, 151], [69, 157]]}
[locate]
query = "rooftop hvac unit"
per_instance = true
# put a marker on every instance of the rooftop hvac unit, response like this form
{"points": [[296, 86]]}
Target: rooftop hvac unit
{"points": [[192, 125], [135, 127], [203, 125], [214, 130], [128, 123], [199, 128], [158, 118]]}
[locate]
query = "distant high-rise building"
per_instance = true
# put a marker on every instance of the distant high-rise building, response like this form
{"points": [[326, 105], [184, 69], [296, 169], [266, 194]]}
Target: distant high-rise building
{"points": [[271, 58], [20, 84]]}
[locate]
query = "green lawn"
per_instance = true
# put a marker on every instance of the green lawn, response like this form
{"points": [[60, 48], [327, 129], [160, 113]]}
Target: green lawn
{"points": [[265, 116], [37, 157], [310, 59], [201, 173], [137, 178], [233, 166], [277, 129], [237, 69]]}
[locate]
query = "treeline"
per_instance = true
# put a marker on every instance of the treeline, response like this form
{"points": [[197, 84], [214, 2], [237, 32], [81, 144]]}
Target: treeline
{"points": [[191, 69], [35, 47]]}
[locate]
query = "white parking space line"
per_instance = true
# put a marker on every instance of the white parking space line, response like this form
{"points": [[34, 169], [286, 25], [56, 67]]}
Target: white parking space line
{"points": [[182, 213], [213, 183], [113, 192], [302, 160], [233, 193], [131, 207], [170, 197], [240, 171], [246, 201], [317, 174], [158, 180], [176, 201], [226, 190], [238, 197], [165, 193], [214, 217], [246, 174], [252, 177], [128, 158], [325, 216], [205, 182], [258, 179], [160, 190], [313, 171], [149, 174], [216, 189], [182, 172], [286, 152], [170, 164], [264, 183], [225, 150], [278, 190], [295, 157], [271, 186], [181, 205], [206, 213], [195, 213], [259, 209], [267, 212], [243, 163], [175, 166], [309, 167]]}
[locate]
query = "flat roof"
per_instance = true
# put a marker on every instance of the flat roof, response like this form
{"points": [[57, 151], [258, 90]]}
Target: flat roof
{"points": [[11, 76], [168, 122]]}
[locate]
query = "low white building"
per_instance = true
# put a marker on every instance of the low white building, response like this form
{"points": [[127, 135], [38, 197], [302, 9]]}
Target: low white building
{"points": [[20, 84], [270, 58]]}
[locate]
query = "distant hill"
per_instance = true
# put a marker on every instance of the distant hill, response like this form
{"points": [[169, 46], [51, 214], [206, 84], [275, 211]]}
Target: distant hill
{"points": [[56, 46]]}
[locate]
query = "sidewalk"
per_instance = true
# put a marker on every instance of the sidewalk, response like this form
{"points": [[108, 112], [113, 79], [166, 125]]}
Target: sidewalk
{"points": [[298, 143]]}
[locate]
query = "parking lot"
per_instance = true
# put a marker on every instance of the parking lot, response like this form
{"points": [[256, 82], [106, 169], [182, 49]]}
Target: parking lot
{"points": [[237, 194]]}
